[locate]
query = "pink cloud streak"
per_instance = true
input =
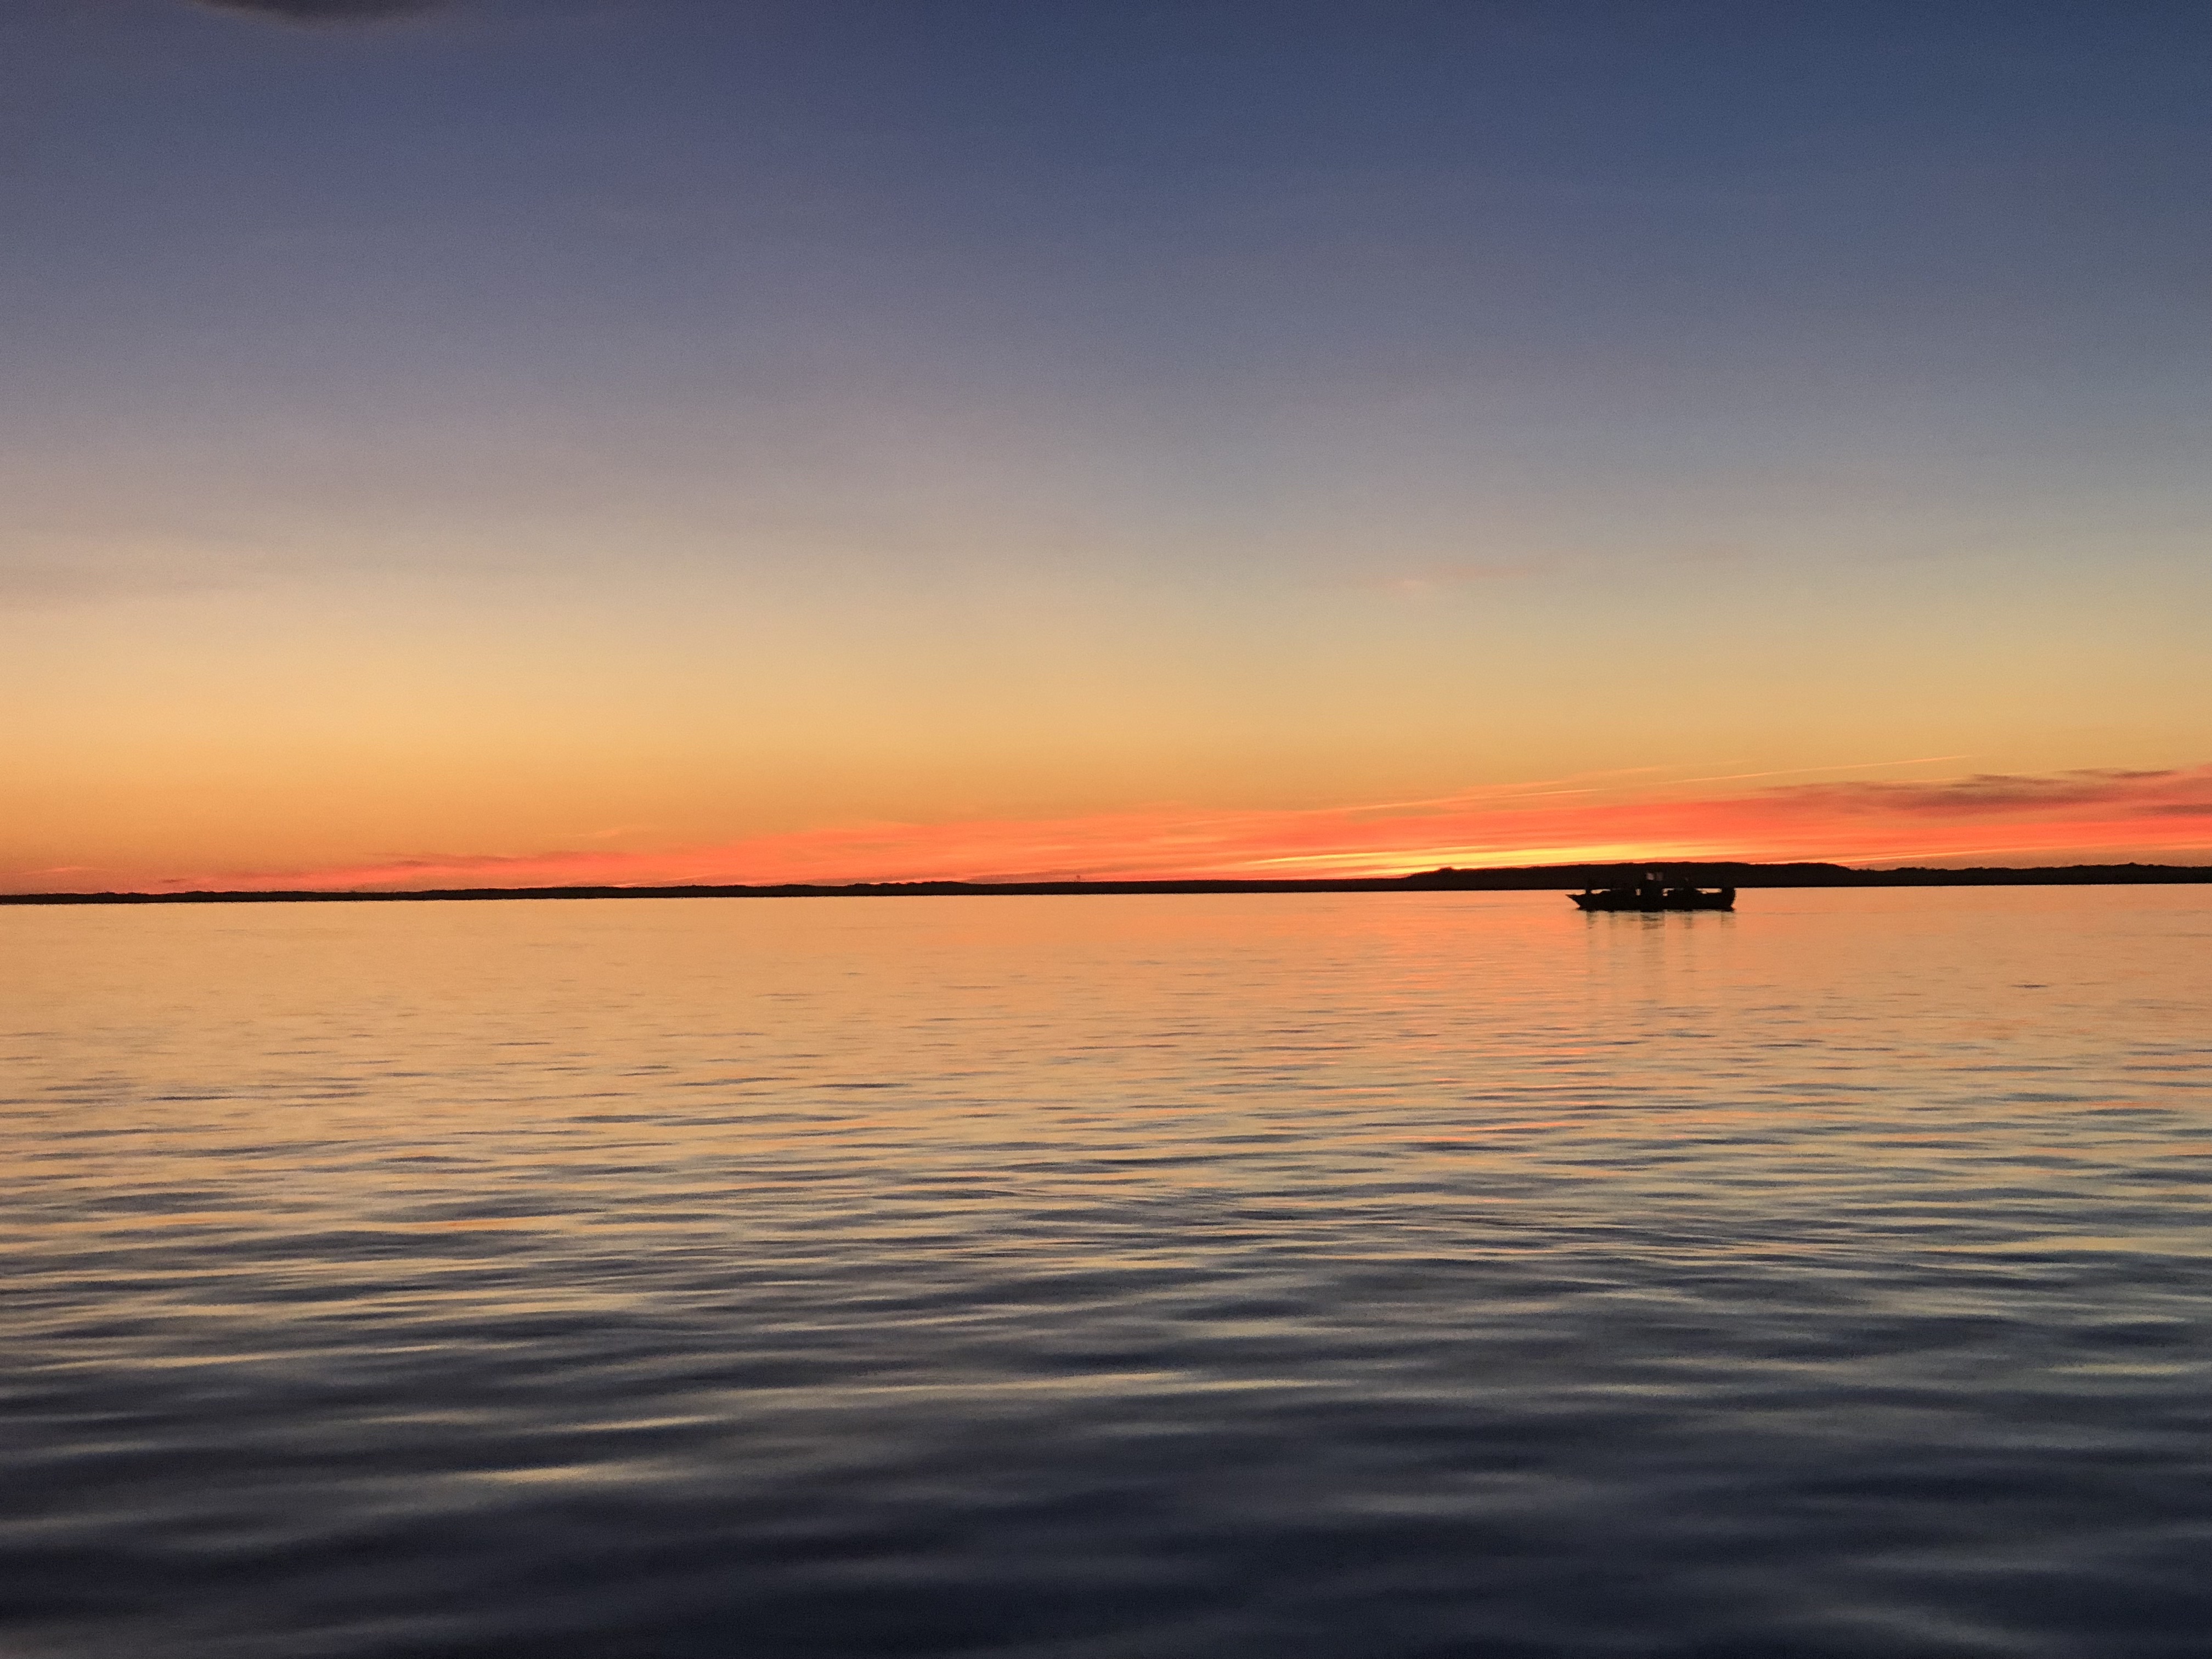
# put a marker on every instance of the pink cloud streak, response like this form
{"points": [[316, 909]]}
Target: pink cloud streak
{"points": [[1991, 817]]}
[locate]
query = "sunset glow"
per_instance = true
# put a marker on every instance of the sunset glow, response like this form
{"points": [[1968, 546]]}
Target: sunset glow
{"points": [[2079, 816], [491, 443]]}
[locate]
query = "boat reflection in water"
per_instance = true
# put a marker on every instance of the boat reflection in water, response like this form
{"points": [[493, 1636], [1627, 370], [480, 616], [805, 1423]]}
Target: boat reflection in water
{"points": [[1649, 891]]}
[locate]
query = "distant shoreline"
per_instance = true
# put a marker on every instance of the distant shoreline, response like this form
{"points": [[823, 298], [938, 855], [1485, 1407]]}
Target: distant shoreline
{"points": [[1553, 877]]}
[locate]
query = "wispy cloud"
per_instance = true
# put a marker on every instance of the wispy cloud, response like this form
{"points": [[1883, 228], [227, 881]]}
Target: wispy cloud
{"points": [[327, 11], [1989, 793], [53, 586], [2033, 818], [1443, 578]]}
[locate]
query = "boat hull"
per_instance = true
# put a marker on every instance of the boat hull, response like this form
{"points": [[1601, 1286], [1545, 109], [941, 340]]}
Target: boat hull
{"points": [[1723, 900]]}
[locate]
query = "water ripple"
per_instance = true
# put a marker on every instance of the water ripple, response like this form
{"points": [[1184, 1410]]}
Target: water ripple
{"points": [[1328, 1278]]}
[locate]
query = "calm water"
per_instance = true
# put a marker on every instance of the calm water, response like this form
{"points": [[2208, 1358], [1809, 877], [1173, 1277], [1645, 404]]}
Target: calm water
{"points": [[1330, 1277]]}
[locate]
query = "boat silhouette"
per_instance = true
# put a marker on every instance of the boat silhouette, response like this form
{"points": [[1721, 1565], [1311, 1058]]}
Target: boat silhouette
{"points": [[1649, 891]]}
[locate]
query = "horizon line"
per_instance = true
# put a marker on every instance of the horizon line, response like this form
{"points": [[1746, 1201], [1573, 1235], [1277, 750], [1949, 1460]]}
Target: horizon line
{"points": [[1809, 873]]}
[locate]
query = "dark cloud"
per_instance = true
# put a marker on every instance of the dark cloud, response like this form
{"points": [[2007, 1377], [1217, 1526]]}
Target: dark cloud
{"points": [[2183, 792], [327, 11]]}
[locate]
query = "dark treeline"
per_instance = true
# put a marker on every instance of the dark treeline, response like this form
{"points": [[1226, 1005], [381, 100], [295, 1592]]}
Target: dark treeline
{"points": [[1539, 878]]}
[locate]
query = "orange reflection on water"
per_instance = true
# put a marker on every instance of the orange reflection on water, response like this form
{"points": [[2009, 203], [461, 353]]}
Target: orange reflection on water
{"points": [[538, 1065]]}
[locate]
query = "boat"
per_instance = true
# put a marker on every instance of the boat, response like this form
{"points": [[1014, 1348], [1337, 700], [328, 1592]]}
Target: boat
{"points": [[1649, 891]]}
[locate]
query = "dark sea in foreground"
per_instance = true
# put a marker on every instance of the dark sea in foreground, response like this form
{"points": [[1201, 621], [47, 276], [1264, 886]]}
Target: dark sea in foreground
{"points": [[1343, 1276]]}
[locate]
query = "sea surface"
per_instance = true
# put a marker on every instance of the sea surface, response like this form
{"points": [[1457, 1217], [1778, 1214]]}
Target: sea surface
{"points": [[1339, 1277]]}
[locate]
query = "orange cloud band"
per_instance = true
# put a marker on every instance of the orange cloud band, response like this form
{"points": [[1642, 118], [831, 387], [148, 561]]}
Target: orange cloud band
{"points": [[2091, 816]]}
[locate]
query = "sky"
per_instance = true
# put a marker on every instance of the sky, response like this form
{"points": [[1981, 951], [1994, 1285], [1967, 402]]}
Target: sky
{"points": [[509, 441]]}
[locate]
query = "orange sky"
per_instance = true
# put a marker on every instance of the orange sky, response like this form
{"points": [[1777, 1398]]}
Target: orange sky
{"points": [[434, 729], [2150, 815]]}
